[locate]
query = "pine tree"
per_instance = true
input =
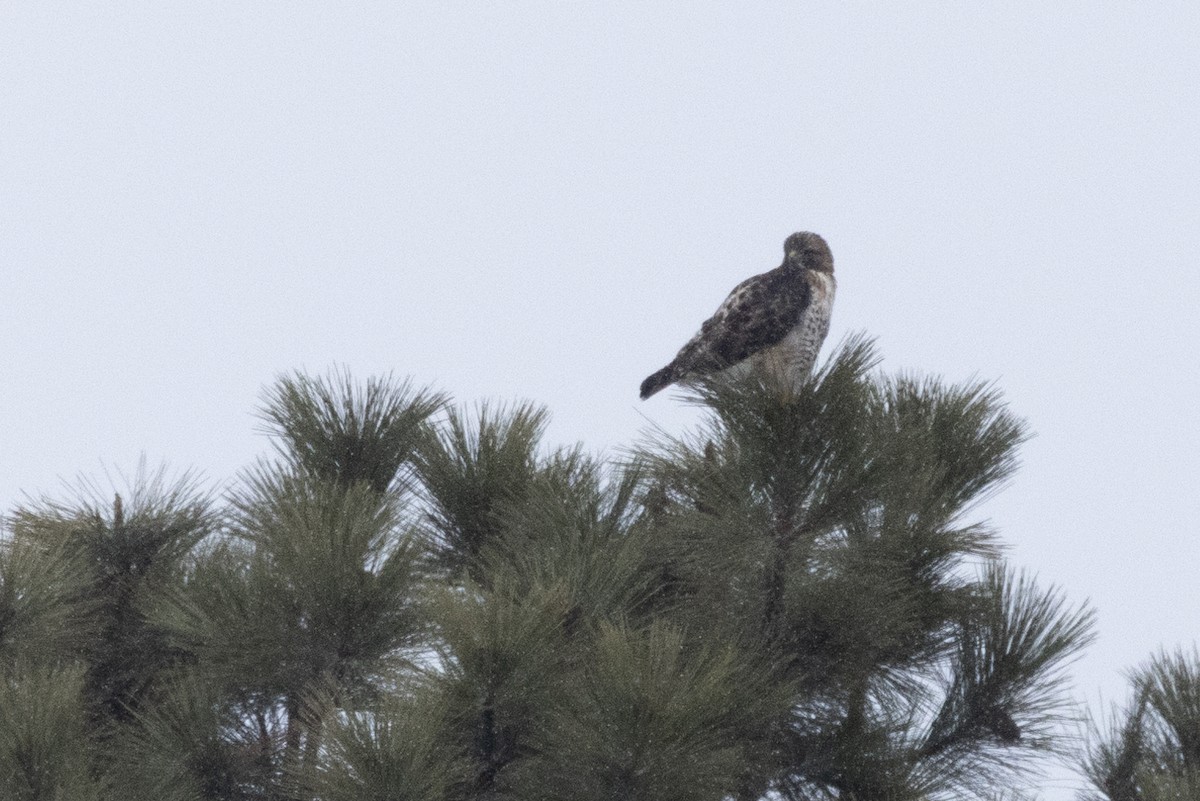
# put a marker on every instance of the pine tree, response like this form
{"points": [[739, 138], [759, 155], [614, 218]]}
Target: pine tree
{"points": [[822, 530], [410, 600]]}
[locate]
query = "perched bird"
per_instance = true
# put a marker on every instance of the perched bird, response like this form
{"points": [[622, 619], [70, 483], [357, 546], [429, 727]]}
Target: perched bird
{"points": [[775, 321]]}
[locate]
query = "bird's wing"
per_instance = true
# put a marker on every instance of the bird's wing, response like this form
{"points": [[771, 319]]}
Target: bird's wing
{"points": [[757, 314]]}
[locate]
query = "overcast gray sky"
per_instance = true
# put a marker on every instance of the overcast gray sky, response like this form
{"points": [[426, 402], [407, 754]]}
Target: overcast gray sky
{"points": [[543, 200]]}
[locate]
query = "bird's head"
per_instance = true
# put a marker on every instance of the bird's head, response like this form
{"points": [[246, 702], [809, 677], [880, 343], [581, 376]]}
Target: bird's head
{"points": [[808, 251]]}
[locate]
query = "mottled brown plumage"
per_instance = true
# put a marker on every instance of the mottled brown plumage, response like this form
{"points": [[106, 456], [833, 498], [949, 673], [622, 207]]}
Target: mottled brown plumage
{"points": [[776, 320]]}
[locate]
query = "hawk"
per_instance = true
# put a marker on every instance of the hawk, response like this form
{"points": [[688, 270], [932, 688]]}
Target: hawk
{"points": [[775, 321]]}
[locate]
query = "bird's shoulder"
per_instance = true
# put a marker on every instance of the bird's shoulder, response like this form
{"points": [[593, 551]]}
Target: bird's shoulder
{"points": [[776, 296], [752, 293]]}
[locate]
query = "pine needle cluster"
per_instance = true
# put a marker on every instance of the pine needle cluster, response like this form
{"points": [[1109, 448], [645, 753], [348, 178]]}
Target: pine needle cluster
{"points": [[1149, 750]]}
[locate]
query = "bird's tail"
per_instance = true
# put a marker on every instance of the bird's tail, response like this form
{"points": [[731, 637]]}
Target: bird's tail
{"points": [[663, 378]]}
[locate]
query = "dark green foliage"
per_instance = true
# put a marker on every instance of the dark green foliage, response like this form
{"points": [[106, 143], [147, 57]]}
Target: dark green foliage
{"points": [[43, 615], [504, 656], [339, 431], [563, 555], [574, 530], [128, 554], [45, 747], [648, 716], [424, 603], [311, 591], [1150, 751], [469, 472], [192, 745], [341, 565], [1006, 684], [393, 751]]}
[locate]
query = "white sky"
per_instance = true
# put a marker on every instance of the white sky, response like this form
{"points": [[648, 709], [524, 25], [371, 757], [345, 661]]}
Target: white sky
{"points": [[545, 200]]}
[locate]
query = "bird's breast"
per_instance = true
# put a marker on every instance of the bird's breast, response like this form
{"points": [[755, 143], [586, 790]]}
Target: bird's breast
{"points": [[824, 286]]}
